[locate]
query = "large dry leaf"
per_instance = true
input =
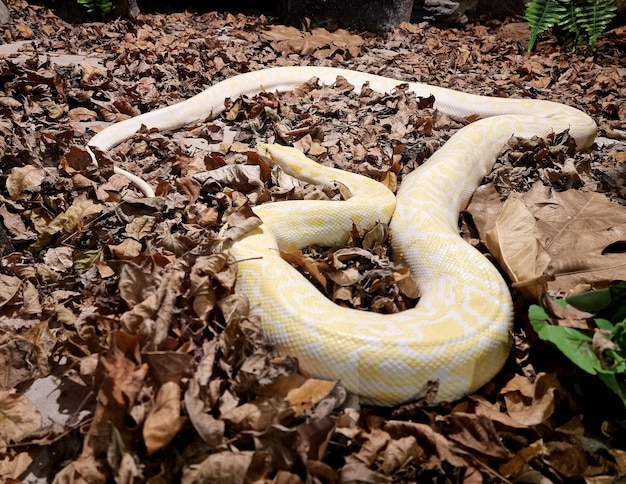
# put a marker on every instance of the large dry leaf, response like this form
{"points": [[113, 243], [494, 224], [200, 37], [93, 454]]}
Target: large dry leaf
{"points": [[515, 242], [572, 235]]}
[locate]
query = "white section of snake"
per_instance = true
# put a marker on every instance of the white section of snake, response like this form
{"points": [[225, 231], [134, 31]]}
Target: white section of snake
{"points": [[459, 334]]}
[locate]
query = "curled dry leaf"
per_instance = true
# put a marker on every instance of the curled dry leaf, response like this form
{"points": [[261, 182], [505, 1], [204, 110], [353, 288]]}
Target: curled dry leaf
{"points": [[209, 428], [22, 178], [568, 315], [531, 403], [164, 420], [398, 452], [256, 416], [434, 448]]}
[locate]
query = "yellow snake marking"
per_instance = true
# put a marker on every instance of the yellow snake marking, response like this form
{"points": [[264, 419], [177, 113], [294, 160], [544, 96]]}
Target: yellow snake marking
{"points": [[459, 333]]}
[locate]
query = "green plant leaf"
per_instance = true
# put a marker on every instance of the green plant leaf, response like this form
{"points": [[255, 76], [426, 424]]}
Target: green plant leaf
{"points": [[576, 21], [573, 343], [601, 353], [593, 16], [541, 15]]}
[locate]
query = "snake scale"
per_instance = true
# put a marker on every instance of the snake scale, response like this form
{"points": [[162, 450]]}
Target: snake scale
{"points": [[459, 334]]}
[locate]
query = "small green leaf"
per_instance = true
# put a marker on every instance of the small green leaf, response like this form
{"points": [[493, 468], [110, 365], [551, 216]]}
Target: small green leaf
{"points": [[574, 344]]}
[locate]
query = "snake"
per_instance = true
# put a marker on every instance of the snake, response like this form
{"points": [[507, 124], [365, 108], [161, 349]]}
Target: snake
{"points": [[460, 332]]}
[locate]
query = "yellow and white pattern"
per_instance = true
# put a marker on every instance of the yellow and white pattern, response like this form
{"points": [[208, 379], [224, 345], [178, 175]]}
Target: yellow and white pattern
{"points": [[459, 333]]}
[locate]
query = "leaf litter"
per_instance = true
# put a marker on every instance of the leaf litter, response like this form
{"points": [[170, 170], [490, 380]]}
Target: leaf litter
{"points": [[132, 300]]}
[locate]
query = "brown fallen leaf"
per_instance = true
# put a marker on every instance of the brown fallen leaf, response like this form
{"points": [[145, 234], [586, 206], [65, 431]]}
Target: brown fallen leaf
{"points": [[399, 452], [80, 213], [519, 462], [18, 416], [474, 433], [128, 249], [256, 416], [11, 467], [580, 229], [567, 457], [86, 469], [568, 315], [9, 287], [357, 472], [231, 467], [290, 39], [562, 239], [164, 420], [434, 448], [22, 178], [516, 243], [531, 402], [118, 381], [303, 398]]}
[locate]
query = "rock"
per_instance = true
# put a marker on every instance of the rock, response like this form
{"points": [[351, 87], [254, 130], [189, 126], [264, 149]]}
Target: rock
{"points": [[443, 12], [373, 15]]}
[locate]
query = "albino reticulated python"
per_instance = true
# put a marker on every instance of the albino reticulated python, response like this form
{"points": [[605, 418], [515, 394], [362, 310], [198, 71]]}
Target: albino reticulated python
{"points": [[459, 333]]}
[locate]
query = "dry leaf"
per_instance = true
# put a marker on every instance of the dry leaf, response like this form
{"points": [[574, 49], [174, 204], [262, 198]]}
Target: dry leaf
{"points": [[210, 429], [18, 416], [81, 213], [579, 230], [531, 403], [140, 227], [568, 315], [516, 243], [22, 178], [398, 452], [9, 287], [128, 249], [231, 467], [571, 237], [475, 433], [256, 416], [303, 398], [290, 39], [13, 467], [521, 459], [164, 420]]}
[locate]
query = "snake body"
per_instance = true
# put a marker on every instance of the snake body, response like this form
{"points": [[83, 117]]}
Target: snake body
{"points": [[459, 334]]}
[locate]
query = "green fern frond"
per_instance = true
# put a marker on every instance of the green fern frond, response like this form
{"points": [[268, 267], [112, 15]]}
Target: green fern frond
{"points": [[570, 32], [594, 16], [97, 7], [541, 15], [575, 21]]}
